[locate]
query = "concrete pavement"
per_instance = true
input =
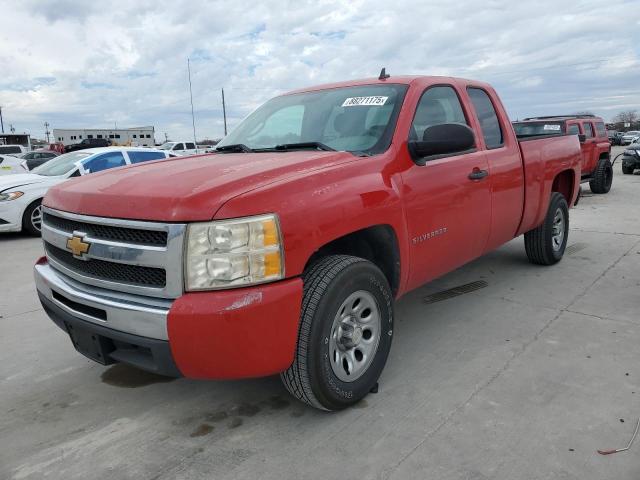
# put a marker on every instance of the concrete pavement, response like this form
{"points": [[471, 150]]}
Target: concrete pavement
{"points": [[521, 379]]}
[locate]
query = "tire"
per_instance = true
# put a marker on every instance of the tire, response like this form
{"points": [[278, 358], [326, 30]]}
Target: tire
{"points": [[338, 292], [627, 170], [545, 245], [602, 177], [32, 218]]}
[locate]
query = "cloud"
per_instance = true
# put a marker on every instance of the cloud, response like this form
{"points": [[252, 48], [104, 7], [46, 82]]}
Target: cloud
{"points": [[87, 64]]}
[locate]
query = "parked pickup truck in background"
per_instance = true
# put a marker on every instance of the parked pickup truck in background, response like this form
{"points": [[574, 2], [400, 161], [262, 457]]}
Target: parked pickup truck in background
{"points": [[596, 165], [285, 251]]}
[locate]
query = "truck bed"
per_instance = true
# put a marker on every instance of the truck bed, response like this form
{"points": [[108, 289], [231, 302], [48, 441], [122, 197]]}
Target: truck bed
{"points": [[544, 157]]}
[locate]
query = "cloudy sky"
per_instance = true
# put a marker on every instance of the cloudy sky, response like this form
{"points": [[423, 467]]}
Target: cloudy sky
{"points": [[85, 64]]}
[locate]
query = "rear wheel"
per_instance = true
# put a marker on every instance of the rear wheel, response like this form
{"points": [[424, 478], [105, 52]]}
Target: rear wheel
{"points": [[627, 170], [602, 177], [345, 333], [545, 245], [32, 219]]}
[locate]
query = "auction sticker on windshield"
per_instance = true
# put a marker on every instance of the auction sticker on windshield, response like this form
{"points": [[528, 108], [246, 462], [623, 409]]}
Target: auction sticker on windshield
{"points": [[368, 101], [552, 127]]}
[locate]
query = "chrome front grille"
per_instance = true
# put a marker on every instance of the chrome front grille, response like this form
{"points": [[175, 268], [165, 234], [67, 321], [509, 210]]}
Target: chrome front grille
{"points": [[107, 232], [110, 271], [137, 257]]}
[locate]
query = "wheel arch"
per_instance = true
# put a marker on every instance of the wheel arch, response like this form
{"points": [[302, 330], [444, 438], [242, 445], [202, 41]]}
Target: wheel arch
{"points": [[377, 243], [564, 183]]}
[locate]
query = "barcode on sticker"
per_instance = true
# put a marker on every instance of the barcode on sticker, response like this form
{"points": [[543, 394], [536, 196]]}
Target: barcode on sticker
{"points": [[552, 127], [357, 101]]}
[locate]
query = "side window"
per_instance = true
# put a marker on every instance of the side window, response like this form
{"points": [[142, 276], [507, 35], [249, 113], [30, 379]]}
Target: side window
{"points": [[104, 162], [573, 129], [588, 130], [437, 105], [138, 157], [489, 123], [602, 132], [190, 146], [178, 146]]}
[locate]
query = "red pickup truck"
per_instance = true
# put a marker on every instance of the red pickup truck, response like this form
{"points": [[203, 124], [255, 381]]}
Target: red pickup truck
{"points": [[285, 251], [596, 165]]}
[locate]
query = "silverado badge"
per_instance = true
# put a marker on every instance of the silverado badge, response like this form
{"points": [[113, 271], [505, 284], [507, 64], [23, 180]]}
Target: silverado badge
{"points": [[78, 246]]}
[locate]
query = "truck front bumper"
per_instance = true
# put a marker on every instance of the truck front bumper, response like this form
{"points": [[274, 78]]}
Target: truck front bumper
{"points": [[225, 334]]}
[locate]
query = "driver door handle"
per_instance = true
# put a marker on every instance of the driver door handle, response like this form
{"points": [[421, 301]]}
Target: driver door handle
{"points": [[478, 174]]}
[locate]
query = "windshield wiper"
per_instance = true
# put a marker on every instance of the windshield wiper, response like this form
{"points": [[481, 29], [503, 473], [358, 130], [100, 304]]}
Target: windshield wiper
{"points": [[234, 148], [302, 145]]}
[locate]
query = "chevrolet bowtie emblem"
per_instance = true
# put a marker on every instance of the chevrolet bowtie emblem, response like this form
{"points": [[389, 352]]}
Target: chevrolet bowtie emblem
{"points": [[78, 246]]}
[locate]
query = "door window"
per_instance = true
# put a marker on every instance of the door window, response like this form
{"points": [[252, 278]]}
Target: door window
{"points": [[104, 162], [437, 105], [137, 157], [178, 146], [190, 146], [573, 129], [489, 123], [588, 130], [602, 132]]}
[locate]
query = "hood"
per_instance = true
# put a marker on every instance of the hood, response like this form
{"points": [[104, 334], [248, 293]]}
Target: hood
{"points": [[20, 179], [183, 189]]}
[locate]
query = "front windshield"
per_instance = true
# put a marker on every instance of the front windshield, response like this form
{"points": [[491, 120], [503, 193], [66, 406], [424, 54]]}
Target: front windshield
{"points": [[60, 165], [352, 119], [166, 146], [632, 133]]}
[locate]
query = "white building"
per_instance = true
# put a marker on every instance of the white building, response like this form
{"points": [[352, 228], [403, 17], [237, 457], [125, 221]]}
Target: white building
{"points": [[137, 137]]}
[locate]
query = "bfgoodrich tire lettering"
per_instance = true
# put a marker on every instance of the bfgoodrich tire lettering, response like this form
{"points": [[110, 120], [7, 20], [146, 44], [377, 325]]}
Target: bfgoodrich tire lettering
{"points": [[327, 285], [545, 245]]}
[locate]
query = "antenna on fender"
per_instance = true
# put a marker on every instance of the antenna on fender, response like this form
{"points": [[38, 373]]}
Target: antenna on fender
{"points": [[383, 74]]}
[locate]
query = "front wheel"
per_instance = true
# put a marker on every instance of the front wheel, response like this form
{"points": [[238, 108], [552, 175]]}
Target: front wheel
{"points": [[32, 219], [345, 332], [545, 245]]}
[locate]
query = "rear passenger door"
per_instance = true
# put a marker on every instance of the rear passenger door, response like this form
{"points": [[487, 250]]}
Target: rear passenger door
{"points": [[506, 176], [448, 213]]}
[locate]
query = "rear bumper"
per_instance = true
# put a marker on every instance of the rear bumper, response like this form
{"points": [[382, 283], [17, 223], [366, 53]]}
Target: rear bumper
{"points": [[237, 333]]}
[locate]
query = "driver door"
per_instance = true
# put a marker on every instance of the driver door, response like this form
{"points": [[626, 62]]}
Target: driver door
{"points": [[448, 213]]}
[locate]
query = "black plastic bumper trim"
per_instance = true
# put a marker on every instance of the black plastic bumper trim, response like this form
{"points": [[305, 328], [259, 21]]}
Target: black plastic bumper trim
{"points": [[145, 353]]}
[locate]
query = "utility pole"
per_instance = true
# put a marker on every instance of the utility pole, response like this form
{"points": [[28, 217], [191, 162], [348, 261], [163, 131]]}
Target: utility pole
{"points": [[224, 113], [1, 122], [166, 137], [193, 118], [46, 130], [13, 130]]}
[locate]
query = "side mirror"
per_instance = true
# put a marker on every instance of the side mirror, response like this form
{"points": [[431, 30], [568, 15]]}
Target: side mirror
{"points": [[443, 139], [582, 137]]}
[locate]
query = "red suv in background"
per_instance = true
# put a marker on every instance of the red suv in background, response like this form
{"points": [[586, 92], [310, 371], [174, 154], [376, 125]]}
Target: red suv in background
{"points": [[596, 149]]}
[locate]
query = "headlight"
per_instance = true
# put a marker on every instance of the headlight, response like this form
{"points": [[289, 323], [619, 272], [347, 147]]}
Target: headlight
{"points": [[230, 253], [6, 196], [629, 153]]}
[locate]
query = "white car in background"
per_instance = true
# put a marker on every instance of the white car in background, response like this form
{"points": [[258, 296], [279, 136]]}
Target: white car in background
{"points": [[629, 137], [10, 165], [12, 149], [180, 148], [22, 194]]}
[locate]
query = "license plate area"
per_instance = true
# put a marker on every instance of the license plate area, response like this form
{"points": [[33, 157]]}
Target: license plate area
{"points": [[90, 344]]}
